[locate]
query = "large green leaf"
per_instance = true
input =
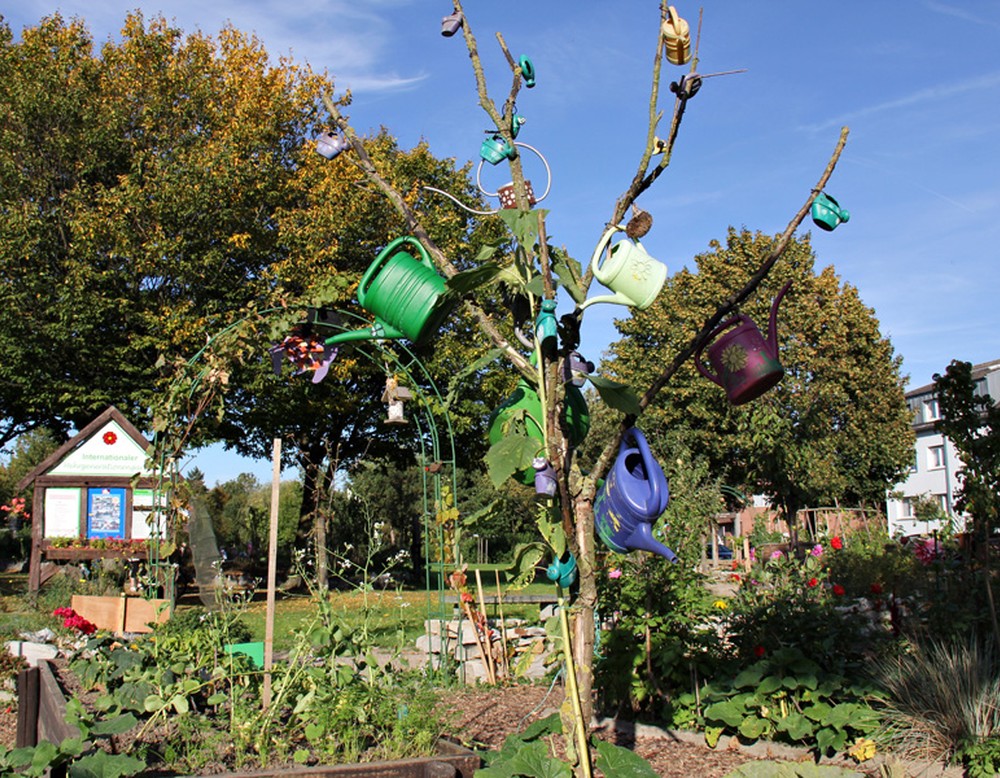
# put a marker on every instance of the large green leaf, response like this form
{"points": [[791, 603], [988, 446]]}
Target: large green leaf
{"points": [[567, 270], [619, 396], [621, 762], [534, 761], [101, 764], [726, 712], [510, 454], [115, 726], [469, 281]]}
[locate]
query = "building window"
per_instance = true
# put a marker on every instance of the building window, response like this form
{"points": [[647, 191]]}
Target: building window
{"points": [[931, 412], [935, 457], [915, 464], [906, 505], [942, 502]]}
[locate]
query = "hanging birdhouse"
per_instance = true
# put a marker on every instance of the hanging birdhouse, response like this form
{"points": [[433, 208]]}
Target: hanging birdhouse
{"points": [[394, 396]]}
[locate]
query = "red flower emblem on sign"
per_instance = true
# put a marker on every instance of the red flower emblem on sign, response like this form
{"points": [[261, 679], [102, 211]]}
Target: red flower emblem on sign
{"points": [[110, 438]]}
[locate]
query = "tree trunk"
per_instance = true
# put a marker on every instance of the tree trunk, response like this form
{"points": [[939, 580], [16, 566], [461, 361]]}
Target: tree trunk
{"points": [[312, 524]]}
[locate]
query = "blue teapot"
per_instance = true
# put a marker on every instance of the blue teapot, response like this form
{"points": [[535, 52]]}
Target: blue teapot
{"points": [[632, 498]]}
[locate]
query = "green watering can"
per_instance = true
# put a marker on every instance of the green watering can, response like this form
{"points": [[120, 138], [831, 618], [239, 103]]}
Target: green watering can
{"points": [[576, 415], [406, 296], [632, 274]]}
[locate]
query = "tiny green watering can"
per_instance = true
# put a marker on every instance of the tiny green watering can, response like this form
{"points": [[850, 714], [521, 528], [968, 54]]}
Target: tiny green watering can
{"points": [[632, 274], [405, 294], [827, 213], [744, 363], [524, 401]]}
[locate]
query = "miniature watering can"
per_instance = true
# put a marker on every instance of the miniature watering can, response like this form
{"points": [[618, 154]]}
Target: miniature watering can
{"points": [[634, 276], [677, 37], [495, 150], [827, 213], [329, 145], [745, 364], [545, 477], [562, 572], [525, 401], [633, 497], [405, 294], [451, 24]]}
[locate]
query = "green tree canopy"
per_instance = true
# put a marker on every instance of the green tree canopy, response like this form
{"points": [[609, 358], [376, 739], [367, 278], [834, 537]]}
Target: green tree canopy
{"points": [[835, 429]]}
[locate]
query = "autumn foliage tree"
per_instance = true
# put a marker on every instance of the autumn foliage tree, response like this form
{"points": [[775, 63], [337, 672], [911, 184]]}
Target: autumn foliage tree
{"points": [[836, 430]]}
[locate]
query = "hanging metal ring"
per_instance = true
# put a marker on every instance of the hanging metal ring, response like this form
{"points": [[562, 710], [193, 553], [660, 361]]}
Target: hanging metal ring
{"points": [[548, 174]]}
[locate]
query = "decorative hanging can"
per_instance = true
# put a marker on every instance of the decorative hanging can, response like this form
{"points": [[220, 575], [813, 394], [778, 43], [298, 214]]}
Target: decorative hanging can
{"points": [[527, 72], [827, 213], [494, 151], [562, 572], [545, 477], [633, 497], [330, 145], [576, 368], [744, 363], [632, 274], [676, 37], [406, 296], [451, 24], [524, 402]]}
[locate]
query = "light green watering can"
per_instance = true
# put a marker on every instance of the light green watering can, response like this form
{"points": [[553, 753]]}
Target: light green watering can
{"points": [[405, 294], [634, 276]]}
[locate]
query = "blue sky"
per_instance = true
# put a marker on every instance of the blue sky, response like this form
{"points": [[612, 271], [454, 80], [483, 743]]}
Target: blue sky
{"points": [[917, 83]]}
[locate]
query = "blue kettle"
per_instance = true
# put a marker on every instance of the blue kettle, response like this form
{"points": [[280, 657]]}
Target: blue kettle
{"points": [[633, 497]]}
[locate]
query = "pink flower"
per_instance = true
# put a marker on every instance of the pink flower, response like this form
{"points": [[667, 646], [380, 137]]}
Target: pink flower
{"points": [[615, 573], [836, 543], [817, 550], [776, 554]]}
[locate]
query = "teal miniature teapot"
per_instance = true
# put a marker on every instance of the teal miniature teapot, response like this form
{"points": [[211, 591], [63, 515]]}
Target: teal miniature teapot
{"points": [[827, 213]]}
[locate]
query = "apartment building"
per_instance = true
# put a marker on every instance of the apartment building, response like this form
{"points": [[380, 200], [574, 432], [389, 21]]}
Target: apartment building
{"points": [[936, 468]]}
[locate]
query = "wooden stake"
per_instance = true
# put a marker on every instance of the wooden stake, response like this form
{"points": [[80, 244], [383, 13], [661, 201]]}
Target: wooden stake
{"points": [[486, 628], [272, 569], [503, 626]]}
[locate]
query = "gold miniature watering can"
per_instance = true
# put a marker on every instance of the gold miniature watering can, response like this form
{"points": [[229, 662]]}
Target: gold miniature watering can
{"points": [[632, 274]]}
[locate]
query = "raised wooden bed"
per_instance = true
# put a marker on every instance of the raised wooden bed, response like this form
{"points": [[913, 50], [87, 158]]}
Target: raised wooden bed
{"points": [[121, 614], [41, 715]]}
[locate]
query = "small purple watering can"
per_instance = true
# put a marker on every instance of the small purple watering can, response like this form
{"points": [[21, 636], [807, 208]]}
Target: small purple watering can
{"points": [[633, 497], [745, 364]]}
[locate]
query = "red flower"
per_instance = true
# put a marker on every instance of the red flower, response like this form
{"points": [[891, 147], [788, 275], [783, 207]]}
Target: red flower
{"points": [[759, 651], [876, 588], [812, 583], [836, 542], [839, 590], [110, 438], [466, 597], [735, 578]]}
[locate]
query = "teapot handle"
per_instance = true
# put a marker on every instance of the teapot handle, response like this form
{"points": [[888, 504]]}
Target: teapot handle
{"points": [[714, 334], [376, 266]]}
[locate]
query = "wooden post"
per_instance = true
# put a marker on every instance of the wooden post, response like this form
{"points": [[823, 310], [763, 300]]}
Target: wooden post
{"points": [[27, 708], [272, 569]]}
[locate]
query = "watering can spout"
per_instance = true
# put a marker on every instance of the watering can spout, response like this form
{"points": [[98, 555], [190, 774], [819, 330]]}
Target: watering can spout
{"points": [[378, 331], [772, 325]]}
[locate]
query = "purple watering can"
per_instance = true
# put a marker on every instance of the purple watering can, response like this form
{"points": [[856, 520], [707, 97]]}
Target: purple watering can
{"points": [[745, 364], [633, 497]]}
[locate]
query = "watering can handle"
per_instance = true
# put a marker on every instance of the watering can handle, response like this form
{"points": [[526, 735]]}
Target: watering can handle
{"points": [[595, 261], [714, 334], [648, 462], [376, 266]]}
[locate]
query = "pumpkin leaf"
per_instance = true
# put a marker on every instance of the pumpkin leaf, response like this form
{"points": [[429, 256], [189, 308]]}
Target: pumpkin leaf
{"points": [[510, 454], [619, 396]]}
